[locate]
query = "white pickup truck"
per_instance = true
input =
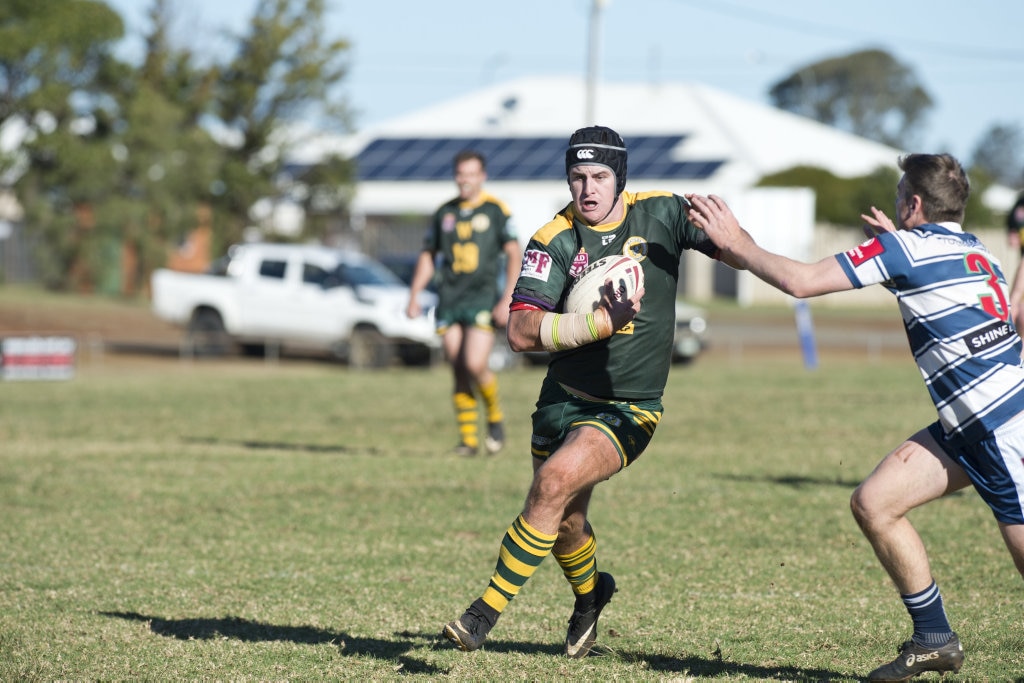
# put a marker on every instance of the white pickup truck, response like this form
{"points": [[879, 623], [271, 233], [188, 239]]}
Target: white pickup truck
{"points": [[300, 296]]}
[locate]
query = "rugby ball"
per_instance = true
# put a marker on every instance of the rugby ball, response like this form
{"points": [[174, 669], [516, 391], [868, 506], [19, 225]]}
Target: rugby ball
{"points": [[625, 272]]}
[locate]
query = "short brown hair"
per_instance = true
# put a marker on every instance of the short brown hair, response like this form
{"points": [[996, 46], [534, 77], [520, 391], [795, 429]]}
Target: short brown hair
{"points": [[468, 155], [941, 183]]}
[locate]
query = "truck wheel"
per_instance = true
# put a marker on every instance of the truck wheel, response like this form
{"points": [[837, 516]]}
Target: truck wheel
{"points": [[369, 349], [415, 355], [206, 334]]}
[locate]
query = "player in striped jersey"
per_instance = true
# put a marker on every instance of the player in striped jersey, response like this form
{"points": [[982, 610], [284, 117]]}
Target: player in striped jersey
{"points": [[953, 296]]}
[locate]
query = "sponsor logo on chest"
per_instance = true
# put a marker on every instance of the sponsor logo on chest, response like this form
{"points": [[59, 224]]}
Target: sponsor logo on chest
{"points": [[985, 338]]}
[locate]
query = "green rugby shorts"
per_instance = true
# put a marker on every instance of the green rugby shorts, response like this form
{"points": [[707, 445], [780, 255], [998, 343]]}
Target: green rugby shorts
{"points": [[629, 425]]}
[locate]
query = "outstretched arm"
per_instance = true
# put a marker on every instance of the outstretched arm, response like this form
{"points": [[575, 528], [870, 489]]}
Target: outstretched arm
{"points": [[801, 280]]}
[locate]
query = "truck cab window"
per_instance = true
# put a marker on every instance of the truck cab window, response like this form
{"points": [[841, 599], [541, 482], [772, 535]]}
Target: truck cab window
{"points": [[273, 269], [313, 274]]}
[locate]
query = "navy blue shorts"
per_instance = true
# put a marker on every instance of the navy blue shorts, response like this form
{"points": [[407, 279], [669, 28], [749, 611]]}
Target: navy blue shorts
{"points": [[995, 467]]}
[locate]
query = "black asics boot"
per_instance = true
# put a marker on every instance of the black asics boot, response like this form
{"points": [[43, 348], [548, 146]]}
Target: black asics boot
{"points": [[915, 659]]}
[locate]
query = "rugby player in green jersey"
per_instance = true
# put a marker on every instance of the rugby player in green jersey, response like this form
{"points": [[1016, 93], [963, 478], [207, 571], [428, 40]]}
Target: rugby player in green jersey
{"points": [[1015, 232], [600, 401], [470, 233]]}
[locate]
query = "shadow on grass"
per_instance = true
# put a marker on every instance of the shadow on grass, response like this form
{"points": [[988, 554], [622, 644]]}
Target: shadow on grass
{"points": [[283, 446], [703, 666], [800, 482], [245, 630], [398, 650], [435, 641], [793, 481]]}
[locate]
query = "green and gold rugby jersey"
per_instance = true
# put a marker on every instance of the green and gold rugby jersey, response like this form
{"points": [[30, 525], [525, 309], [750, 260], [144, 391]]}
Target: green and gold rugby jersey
{"points": [[470, 239], [634, 362]]}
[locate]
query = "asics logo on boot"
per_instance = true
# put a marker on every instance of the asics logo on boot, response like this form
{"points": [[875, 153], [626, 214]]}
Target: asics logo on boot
{"points": [[920, 659]]}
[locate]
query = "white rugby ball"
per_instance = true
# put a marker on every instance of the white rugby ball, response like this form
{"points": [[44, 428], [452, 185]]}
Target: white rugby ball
{"points": [[625, 272]]}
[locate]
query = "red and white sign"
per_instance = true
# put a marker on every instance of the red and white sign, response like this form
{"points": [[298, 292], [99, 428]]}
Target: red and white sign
{"points": [[37, 358]]}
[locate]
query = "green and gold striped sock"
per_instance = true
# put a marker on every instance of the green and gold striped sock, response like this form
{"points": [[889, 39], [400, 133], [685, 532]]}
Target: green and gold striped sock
{"points": [[489, 393], [466, 416], [580, 566], [522, 551]]}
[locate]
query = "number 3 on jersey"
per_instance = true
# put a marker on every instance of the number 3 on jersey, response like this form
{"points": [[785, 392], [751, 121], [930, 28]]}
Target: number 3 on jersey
{"points": [[994, 304]]}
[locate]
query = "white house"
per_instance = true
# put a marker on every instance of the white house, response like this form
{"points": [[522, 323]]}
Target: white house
{"points": [[682, 137]]}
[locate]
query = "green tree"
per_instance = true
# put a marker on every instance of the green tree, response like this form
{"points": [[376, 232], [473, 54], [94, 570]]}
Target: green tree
{"points": [[167, 162], [841, 201], [324, 191], [56, 75], [998, 154], [868, 93], [283, 72], [51, 49], [117, 157]]}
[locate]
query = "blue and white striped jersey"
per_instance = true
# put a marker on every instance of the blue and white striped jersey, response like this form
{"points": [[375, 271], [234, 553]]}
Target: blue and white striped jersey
{"points": [[953, 297]]}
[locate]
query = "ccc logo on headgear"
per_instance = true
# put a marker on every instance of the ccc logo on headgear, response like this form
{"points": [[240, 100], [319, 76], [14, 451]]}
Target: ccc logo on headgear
{"points": [[585, 154]]}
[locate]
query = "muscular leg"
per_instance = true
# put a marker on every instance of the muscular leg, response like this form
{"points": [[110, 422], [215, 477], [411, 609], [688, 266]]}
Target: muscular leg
{"points": [[917, 472], [554, 512], [574, 530], [584, 459], [576, 547], [463, 396], [477, 347], [1013, 536], [453, 341], [561, 488]]}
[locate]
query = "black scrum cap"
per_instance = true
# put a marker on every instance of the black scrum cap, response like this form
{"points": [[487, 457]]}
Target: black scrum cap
{"points": [[600, 146]]}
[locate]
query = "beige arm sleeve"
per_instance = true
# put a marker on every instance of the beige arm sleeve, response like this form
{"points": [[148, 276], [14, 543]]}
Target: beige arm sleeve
{"points": [[562, 331]]}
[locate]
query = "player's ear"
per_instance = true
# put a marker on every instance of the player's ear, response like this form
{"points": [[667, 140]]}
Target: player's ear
{"points": [[915, 204]]}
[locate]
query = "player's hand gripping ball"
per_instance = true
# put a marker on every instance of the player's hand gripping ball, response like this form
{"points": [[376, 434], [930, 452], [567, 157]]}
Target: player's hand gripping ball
{"points": [[625, 272]]}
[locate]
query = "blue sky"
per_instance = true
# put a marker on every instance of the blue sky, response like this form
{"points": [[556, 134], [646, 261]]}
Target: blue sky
{"points": [[408, 54]]}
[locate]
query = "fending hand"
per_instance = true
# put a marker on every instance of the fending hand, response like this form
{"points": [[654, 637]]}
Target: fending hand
{"points": [[877, 223], [712, 215]]}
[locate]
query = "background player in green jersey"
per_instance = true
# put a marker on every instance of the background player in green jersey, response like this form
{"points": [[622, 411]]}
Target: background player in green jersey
{"points": [[600, 401], [1014, 234], [464, 245]]}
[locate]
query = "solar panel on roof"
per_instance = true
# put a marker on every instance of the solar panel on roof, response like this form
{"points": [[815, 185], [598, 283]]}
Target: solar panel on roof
{"points": [[518, 158]]}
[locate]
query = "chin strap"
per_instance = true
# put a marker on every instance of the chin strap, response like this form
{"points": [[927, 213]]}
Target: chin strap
{"points": [[617, 197]]}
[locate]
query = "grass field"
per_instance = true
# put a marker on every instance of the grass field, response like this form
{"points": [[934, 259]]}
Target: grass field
{"points": [[238, 520]]}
